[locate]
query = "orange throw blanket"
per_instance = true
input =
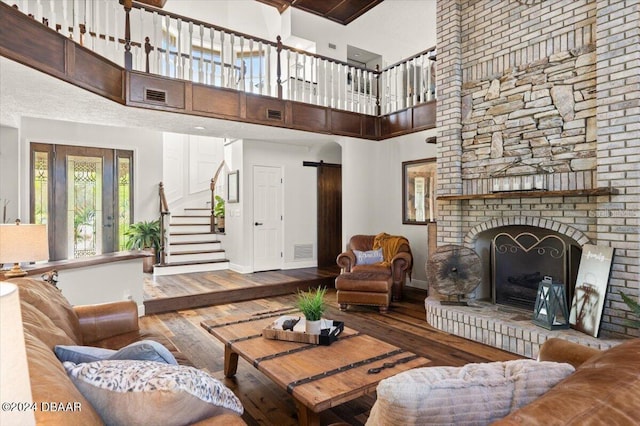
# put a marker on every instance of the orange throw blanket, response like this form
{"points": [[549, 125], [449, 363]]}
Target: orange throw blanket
{"points": [[390, 244]]}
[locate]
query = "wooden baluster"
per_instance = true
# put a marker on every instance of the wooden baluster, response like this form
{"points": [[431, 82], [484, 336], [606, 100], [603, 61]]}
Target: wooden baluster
{"points": [[147, 50], [65, 18], [128, 59], [416, 97], [378, 94], [141, 37], [52, 14], [279, 66]]}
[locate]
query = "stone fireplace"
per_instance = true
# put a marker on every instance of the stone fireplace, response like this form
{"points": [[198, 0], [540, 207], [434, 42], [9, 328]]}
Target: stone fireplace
{"points": [[537, 135]]}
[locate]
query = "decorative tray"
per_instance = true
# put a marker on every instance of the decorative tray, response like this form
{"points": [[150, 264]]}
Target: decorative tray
{"points": [[329, 333]]}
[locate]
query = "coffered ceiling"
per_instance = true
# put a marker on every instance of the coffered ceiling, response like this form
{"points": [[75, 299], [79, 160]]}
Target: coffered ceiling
{"points": [[341, 11]]}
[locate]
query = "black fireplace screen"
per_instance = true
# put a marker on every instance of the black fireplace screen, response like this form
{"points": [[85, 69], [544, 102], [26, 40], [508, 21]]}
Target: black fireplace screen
{"points": [[520, 262]]}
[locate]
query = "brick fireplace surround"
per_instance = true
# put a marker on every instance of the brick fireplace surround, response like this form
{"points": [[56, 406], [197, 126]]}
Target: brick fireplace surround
{"points": [[546, 89]]}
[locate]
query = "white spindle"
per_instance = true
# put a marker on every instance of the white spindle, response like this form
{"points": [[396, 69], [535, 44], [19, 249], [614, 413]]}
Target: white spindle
{"points": [[52, 15], [212, 63], [288, 74], [242, 83], [261, 56], [156, 43], [232, 61], [190, 51], [166, 38], [324, 83], [267, 64], [179, 67], [201, 63]]}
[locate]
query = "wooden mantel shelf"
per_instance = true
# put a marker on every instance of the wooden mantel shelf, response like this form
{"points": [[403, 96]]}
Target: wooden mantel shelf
{"points": [[532, 194]]}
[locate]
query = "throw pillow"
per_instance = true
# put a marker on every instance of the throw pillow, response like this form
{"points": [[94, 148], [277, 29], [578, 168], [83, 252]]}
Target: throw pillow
{"points": [[145, 392], [144, 350], [475, 394], [368, 257]]}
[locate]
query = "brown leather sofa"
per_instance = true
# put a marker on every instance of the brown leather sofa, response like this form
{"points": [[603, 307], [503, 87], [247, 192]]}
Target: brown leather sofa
{"points": [[49, 320], [604, 389], [396, 267]]}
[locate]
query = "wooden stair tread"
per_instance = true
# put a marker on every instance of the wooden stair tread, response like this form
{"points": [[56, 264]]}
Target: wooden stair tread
{"points": [[192, 233], [184, 243], [196, 252], [191, 262]]}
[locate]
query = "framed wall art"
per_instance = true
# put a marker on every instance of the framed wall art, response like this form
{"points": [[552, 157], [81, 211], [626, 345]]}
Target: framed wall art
{"points": [[232, 187], [419, 192]]}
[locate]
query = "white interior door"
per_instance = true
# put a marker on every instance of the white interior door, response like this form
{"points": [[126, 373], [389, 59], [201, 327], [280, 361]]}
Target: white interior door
{"points": [[267, 218]]}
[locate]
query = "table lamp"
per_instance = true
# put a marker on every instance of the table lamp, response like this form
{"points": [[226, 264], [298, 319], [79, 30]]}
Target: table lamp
{"points": [[22, 243], [15, 386]]}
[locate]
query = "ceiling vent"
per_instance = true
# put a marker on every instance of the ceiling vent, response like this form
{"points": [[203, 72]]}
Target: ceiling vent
{"points": [[274, 114], [154, 95]]}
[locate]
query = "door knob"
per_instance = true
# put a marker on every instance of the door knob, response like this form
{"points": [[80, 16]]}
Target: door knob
{"points": [[258, 223]]}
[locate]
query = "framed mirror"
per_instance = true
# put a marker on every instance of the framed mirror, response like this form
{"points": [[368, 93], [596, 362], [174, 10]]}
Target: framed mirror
{"points": [[419, 192], [232, 187]]}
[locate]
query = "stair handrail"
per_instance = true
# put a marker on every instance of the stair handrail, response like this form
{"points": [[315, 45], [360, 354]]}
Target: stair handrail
{"points": [[164, 217], [212, 187]]}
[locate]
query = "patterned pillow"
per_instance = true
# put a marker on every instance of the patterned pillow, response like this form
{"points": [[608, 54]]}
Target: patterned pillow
{"points": [[143, 350], [368, 257], [147, 392], [475, 394]]}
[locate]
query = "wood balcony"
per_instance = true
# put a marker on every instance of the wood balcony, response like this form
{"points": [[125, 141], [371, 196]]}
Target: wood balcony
{"points": [[35, 45]]}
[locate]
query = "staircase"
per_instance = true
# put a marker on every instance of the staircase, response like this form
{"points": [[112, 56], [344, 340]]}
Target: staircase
{"points": [[192, 247]]}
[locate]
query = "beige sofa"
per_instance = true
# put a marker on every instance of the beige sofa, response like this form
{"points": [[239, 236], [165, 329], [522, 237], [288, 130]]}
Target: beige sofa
{"points": [[49, 320], [570, 384]]}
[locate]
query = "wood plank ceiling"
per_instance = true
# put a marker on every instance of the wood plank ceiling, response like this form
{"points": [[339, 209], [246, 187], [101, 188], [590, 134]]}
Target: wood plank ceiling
{"points": [[341, 11]]}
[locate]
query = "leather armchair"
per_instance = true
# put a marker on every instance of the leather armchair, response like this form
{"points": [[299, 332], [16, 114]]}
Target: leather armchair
{"points": [[398, 267]]}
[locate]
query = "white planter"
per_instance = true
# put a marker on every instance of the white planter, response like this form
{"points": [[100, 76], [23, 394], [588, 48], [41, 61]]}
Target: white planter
{"points": [[312, 327]]}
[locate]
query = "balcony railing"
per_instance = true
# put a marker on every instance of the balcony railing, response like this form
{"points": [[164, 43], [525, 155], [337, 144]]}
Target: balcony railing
{"points": [[146, 39]]}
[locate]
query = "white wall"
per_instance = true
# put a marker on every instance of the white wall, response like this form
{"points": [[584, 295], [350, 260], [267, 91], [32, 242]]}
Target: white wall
{"points": [[9, 173], [145, 144], [299, 198], [190, 162], [395, 29], [372, 191]]}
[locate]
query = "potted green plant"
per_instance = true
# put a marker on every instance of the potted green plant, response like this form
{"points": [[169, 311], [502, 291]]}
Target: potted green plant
{"points": [[311, 304], [635, 309], [218, 212], [145, 235]]}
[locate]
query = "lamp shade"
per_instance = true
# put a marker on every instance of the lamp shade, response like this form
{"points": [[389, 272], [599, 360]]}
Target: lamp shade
{"points": [[23, 243], [15, 387]]}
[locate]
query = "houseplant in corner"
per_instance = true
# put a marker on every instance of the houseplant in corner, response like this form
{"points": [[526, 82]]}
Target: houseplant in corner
{"points": [[218, 212], [145, 235], [311, 304]]}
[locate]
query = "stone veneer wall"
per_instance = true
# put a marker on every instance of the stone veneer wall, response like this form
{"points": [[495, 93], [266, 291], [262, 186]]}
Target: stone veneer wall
{"points": [[544, 87]]}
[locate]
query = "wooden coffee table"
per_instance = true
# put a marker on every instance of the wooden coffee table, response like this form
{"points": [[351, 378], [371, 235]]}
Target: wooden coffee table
{"points": [[318, 377]]}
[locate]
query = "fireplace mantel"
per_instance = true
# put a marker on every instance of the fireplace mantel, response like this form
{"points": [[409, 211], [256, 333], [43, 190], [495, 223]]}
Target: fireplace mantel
{"points": [[532, 194]]}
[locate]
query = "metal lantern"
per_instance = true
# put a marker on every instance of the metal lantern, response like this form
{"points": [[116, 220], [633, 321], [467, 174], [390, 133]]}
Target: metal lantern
{"points": [[551, 311]]}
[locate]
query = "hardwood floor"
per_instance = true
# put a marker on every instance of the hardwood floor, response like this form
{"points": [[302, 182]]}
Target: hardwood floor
{"points": [[267, 404]]}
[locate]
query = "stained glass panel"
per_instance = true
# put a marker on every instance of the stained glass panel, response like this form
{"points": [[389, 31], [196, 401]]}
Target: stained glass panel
{"points": [[84, 208]]}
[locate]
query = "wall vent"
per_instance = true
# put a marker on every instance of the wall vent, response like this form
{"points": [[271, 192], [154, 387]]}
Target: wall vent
{"points": [[274, 114], [155, 95], [302, 251]]}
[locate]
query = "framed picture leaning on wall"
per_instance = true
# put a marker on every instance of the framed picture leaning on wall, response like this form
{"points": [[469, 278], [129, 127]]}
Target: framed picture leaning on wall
{"points": [[591, 289]]}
